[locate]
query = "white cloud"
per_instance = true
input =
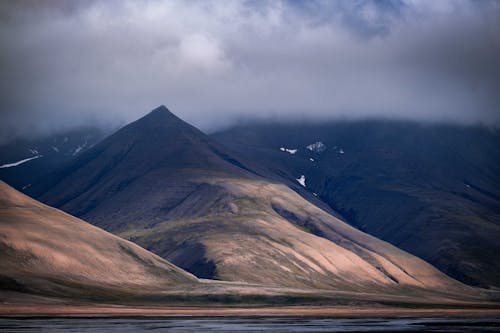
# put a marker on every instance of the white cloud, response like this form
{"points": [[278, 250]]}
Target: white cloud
{"points": [[198, 51]]}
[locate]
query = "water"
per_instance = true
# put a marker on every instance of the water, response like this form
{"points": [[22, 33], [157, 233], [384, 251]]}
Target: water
{"points": [[247, 324]]}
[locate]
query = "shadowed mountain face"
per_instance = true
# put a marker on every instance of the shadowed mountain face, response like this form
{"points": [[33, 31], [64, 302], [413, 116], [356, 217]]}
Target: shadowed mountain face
{"points": [[46, 251], [138, 174], [432, 190], [170, 188], [25, 163]]}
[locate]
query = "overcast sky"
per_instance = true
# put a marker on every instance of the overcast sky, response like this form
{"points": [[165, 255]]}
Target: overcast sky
{"points": [[64, 63]]}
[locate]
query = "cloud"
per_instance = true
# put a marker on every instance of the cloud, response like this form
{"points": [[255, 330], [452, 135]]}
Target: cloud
{"points": [[213, 62]]}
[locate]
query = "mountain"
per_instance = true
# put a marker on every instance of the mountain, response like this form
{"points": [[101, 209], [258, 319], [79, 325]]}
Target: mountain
{"points": [[26, 162], [48, 252], [432, 190], [140, 172], [177, 192]]}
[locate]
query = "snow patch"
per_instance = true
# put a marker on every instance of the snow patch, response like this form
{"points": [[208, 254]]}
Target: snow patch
{"points": [[317, 147], [34, 151], [79, 148], [338, 150], [315, 194], [301, 180], [311, 159], [55, 149], [291, 151], [10, 165]]}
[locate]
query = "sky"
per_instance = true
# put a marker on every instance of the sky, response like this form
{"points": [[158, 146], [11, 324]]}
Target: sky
{"points": [[69, 63]]}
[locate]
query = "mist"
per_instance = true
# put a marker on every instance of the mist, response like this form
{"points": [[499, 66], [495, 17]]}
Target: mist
{"points": [[66, 64]]}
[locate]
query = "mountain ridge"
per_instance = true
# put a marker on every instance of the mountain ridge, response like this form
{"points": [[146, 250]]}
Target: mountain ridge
{"points": [[139, 149], [175, 191], [431, 190]]}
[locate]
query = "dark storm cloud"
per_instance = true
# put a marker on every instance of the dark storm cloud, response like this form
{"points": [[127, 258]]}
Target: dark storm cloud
{"points": [[65, 63]]}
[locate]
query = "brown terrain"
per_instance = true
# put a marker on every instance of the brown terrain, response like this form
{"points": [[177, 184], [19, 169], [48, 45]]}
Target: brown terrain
{"points": [[55, 264], [327, 311], [220, 237], [259, 232], [45, 250]]}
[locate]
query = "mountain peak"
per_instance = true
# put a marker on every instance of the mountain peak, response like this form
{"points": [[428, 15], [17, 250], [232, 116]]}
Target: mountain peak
{"points": [[161, 109], [161, 118], [161, 112]]}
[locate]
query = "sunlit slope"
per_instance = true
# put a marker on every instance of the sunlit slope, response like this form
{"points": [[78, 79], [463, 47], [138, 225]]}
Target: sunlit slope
{"points": [[260, 232], [46, 250]]}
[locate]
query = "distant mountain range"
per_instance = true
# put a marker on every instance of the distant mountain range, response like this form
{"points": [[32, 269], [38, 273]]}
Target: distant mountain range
{"points": [[432, 190], [293, 206], [175, 191]]}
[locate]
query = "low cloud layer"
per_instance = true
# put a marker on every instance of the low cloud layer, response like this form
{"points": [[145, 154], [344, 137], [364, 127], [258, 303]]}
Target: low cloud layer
{"points": [[212, 63]]}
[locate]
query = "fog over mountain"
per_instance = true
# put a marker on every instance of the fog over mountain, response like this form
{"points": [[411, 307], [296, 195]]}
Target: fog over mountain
{"points": [[67, 63]]}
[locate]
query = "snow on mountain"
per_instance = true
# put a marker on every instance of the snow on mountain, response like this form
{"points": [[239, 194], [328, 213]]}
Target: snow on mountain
{"points": [[302, 180], [77, 150], [316, 146], [80, 148], [9, 165], [291, 151]]}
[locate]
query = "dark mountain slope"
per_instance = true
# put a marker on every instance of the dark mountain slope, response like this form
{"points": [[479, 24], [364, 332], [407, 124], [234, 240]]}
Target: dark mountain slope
{"points": [[172, 189], [28, 162], [139, 173], [432, 190]]}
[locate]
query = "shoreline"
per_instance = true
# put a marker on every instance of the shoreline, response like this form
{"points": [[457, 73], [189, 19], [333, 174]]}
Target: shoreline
{"points": [[7, 311]]}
